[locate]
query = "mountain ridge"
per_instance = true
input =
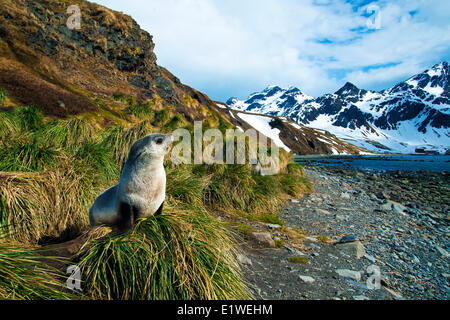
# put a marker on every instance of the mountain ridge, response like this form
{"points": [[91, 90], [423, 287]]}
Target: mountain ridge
{"points": [[413, 113]]}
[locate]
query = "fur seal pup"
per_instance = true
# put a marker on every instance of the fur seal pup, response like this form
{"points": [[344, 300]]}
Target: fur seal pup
{"points": [[141, 190]]}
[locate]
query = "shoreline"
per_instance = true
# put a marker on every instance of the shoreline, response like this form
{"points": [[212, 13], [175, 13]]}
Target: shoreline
{"points": [[379, 163], [399, 218]]}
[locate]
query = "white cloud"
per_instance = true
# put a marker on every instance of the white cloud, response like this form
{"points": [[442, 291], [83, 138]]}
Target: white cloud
{"points": [[231, 48]]}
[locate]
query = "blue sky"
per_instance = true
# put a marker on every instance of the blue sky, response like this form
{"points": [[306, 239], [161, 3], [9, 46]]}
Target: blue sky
{"points": [[235, 47]]}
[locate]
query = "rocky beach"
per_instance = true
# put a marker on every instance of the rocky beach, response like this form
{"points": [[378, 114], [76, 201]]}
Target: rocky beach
{"points": [[359, 229]]}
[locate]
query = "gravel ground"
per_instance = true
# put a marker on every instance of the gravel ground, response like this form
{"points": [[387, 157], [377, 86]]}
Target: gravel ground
{"points": [[395, 225]]}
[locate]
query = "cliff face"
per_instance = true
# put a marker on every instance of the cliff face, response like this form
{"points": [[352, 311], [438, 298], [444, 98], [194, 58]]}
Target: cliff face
{"points": [[44, 62]]}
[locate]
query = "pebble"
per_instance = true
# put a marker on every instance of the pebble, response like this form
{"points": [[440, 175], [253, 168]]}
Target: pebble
{"points": [[400, 237], [370, 258], [244, 260], [295, 251], [345, 196], [321, 211], [360, 297], [307, 279], [355, 275], [443, 252], [348, 238]]}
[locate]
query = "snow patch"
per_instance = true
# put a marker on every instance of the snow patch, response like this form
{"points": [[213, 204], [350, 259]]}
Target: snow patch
{"points": [[262, 124]]}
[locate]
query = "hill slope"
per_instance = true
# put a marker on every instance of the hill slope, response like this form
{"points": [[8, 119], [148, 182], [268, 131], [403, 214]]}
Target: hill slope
{"points": [[63, 71], [95, 70]]}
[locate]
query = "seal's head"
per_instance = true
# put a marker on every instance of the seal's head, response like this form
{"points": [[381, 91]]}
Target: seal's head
{"points": [[152, 147]]}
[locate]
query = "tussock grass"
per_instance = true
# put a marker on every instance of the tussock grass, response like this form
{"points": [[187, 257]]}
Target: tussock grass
{"points": [[26, 275], [9, 126], [295, 169], [98, 160], [297, 259], [183, 186], [27, 154], [231, 186], [296, 186], [3, 96], [141, 110], [70, 134], [183, 254], [130, 100], [119, 140], [52, 204], [161, 117], [30, 118]]}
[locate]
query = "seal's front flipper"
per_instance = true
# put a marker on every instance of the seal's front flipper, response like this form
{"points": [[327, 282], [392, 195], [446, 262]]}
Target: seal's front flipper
{"points": [[160, 210], [126, 220]]}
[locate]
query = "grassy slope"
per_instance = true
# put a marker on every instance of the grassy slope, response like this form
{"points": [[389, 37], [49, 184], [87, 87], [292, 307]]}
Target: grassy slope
{"points": [[52, 170]]}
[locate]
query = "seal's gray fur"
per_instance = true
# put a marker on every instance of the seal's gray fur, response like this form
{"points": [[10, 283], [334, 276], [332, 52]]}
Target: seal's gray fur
{"points": [[142, 187]]}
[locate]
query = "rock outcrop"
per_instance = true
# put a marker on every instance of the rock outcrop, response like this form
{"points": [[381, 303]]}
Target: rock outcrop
{"points": [[63, 70]]}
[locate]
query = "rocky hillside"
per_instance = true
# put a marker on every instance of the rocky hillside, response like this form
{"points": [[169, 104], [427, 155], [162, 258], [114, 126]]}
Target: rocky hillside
{"points": [[63, 71], [93, 70], [414, 113]]}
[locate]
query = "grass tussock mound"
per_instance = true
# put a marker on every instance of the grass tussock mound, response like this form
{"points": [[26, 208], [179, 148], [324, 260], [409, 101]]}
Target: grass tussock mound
{"points": [[49, 205], [25, 275], [183, 254]]}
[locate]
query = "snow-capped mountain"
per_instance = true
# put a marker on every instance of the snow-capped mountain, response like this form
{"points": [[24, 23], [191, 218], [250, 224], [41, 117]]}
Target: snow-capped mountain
{"points": [[412, 114]]}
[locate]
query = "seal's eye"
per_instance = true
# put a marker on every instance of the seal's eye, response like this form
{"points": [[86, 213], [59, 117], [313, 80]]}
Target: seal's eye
{"points": [[159, 141]]}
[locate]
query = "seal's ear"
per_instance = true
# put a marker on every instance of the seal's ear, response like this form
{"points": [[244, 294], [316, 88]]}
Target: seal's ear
{"points": [[127, 218]]}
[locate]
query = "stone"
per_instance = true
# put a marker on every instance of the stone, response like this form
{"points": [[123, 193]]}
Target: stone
{"points": [[273, 226], [358, 285], [393, 293], [264, 238], [381, 195], [443, 252], [370, 258], [393, 206], [345, 273], [345, 196], [321, 211], [348, 238], [295, 251], [354, 248], [295, 201], [361, 297], [307, 279], [244, 260]]}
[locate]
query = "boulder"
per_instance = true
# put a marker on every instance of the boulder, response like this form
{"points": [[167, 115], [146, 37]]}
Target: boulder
{"points": [[264, 238]]}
